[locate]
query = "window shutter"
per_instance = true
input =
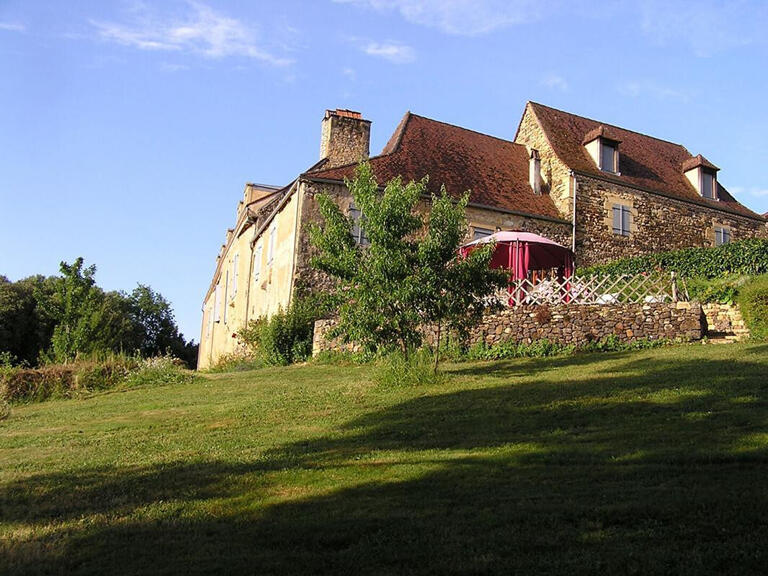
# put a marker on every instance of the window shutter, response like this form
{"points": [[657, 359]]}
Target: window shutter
{"points": [[625, 214], [237, 272], [616, 219], [217, 303], [257, 263]]}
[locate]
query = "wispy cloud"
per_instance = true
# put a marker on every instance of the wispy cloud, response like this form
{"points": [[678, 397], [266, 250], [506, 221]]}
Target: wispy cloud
{"points": [[460, 17], [707, 26], [555, 82], [649, 88], [13, 27], [394, 52], [202, 31]]}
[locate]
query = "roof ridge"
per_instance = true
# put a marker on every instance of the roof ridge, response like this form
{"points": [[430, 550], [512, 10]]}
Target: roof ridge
{"points": [[466, 129], [609, 125]]}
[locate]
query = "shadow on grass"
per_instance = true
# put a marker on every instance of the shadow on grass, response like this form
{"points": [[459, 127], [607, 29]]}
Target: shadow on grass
{"points": [[646, 469]]}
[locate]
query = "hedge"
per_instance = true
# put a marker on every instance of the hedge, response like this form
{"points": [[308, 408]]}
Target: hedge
{"points": [[748, 257], [753, 302]]}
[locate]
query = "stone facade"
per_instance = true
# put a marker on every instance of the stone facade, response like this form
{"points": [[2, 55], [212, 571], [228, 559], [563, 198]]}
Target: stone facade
{"points": [[657, 224], [345, 138], [268, 253], [555, 175], [724, 320], [571, 324]]}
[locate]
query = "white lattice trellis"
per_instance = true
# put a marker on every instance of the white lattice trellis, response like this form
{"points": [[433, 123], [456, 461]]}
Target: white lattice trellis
{"points": [[575, 289]]}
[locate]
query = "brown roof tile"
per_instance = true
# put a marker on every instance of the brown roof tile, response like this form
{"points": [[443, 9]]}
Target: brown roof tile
{"points": [[495, 171], [644, 161], [601, 132], [697, 161]]}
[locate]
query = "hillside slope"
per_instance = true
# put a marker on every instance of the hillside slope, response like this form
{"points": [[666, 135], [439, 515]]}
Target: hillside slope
{"points": [[650, 462]]}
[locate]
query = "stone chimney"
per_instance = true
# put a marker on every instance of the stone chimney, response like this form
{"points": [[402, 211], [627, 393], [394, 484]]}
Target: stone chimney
{"points": [[534, 171], [345, 137]]}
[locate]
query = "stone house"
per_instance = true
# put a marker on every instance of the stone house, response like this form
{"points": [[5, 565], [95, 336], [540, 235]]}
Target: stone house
{"points": [[605, 191]]}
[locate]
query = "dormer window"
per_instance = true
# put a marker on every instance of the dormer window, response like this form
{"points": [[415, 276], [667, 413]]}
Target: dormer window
{"points": [[708, 184], [603, 145], [702, 175], [609, 155]]}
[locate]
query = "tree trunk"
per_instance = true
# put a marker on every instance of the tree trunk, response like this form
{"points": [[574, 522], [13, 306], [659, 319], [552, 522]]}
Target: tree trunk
{"points": [[437, 348]]}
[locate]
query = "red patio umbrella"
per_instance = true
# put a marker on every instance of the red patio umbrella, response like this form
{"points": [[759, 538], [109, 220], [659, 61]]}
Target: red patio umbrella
{"points": [[520, 252]]}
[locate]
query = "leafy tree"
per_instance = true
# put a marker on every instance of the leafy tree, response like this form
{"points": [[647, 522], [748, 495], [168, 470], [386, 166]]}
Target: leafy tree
{"points": [[377, 281], [453, 290], [404, 278], [73, 306], [58, 317]]}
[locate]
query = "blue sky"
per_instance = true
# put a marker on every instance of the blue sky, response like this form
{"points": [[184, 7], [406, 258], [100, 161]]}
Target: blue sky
{"points": [[128, 129]]}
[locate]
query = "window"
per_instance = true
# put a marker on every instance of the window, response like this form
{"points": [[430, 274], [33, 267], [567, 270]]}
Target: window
{"points": [[708, 184], [358, 232], [217, 303], [235, 274], [608, 156], [271, 245], [622, 216], [257, 263], [481, 233], [226, 289], [722, 235]]}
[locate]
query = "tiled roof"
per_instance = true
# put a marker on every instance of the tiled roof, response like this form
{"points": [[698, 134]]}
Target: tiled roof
{"points": [[644, 161], [697, 161], [495, 171]]}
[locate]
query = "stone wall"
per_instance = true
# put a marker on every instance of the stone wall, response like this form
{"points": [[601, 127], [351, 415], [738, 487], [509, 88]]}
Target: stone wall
{"points": [[724, 320], [573, 324], [555, 175], [658, 223], [345, 138]]}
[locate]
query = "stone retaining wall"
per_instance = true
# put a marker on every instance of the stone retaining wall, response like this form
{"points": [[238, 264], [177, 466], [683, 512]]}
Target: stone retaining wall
{"points": [[576, 324], [726, 320]]}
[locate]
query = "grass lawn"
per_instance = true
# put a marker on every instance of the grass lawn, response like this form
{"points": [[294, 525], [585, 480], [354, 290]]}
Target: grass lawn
{"points": [[647, 462]]}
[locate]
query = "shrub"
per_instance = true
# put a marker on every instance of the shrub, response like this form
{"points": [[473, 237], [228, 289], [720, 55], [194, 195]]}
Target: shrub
{"points": [[723, 290], [239, 361], [159, 370], [69, 380], [417, 369], [284, 337], [753, 301], [748, 257], [5, 409]]}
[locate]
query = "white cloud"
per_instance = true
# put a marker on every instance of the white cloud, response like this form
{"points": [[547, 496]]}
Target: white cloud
{"points": [[460, 17], [13, 27], [391, 51], [556, 82], [649, 88], [202, 31], [707, 26]]}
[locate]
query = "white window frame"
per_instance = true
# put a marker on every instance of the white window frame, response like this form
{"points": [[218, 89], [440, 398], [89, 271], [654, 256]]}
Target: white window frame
{"points": [[217, 303], [271, 245], [226, 289], [623, 209], [235, 274], [723, 235], [614, 169], [713, 189], [478, 232], [257, 257], [358, 232]]}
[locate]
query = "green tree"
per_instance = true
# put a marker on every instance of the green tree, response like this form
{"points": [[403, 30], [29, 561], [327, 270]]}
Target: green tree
{"points": [[376, 280], [73, 306], [452, 290], [404, 277]]}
